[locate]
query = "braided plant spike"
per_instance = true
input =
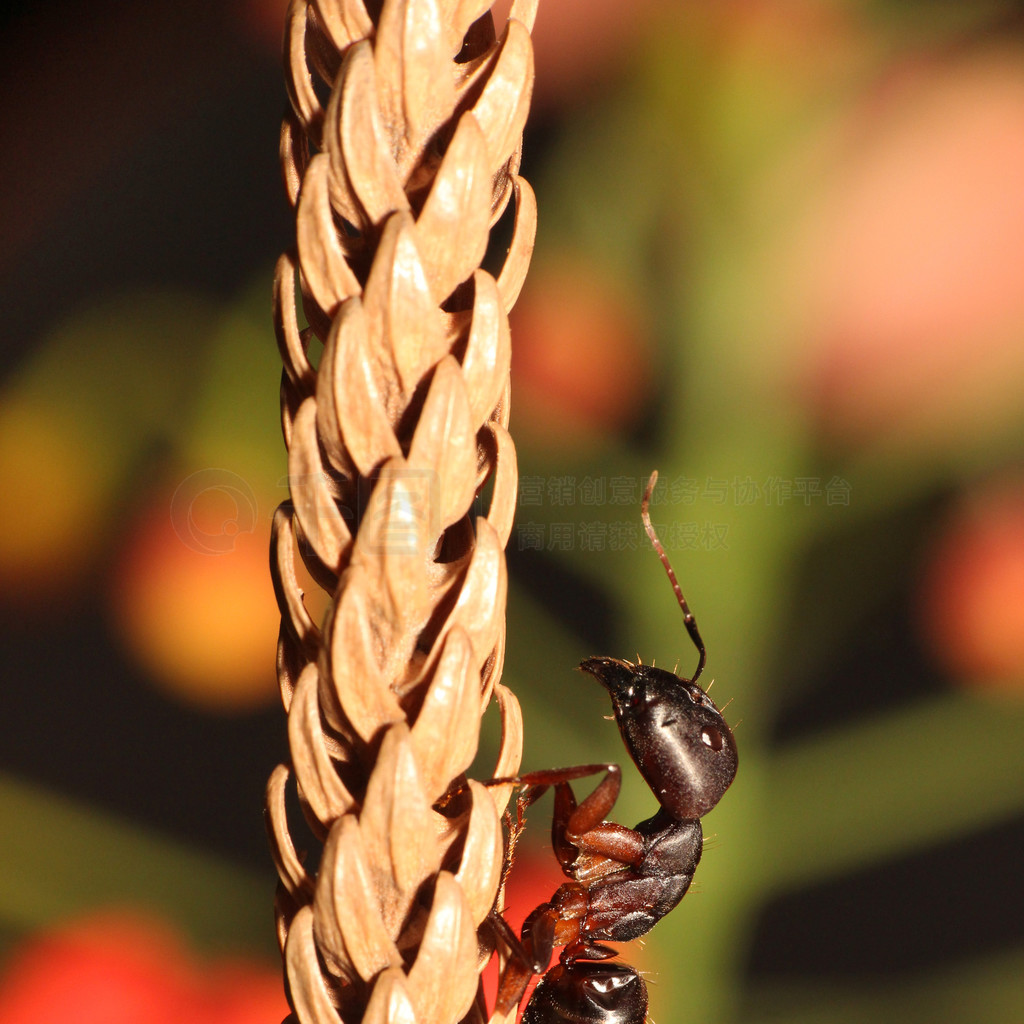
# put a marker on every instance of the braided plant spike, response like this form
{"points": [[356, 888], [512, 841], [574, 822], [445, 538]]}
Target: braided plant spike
{"points": [[400, 152]]}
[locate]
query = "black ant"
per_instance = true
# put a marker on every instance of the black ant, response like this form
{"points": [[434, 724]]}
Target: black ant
{"points": [[623, 880]]}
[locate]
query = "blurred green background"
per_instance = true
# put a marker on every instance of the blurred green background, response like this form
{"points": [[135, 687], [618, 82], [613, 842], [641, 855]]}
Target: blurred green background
{"points": [[781, 260]]}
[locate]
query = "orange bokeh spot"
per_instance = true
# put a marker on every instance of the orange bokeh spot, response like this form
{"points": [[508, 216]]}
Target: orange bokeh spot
{"points": [[973, 594], [194, 602], [213, 513], [581, 363]]}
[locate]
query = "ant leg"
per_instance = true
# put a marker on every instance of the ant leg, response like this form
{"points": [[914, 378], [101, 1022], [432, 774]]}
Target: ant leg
{"points": [[512, 986], [551, 924], [518, 968], [515, 829], [535, 784], [571, 822], [529, 794], [564, 849], [557, 923], [547, 777], [596, 807], [527, 956], [584, 829], [519, 949]]}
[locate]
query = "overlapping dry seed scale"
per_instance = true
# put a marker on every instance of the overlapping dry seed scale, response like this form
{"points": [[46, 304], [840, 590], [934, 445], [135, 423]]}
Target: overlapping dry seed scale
{"points": [[400, 152]]}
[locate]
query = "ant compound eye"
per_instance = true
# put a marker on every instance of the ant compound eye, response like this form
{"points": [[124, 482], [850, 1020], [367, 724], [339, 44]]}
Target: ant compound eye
{"points": [[712, 737]]}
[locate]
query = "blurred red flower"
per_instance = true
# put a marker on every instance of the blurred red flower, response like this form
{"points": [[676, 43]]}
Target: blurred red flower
{"points": [[122, 968]]}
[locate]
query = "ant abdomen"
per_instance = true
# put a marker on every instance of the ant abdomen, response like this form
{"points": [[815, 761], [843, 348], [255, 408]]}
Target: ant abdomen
{"points": [[588, 993]]}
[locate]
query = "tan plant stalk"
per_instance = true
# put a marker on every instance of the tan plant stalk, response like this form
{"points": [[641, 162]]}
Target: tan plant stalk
{"points": [[400, 153]]}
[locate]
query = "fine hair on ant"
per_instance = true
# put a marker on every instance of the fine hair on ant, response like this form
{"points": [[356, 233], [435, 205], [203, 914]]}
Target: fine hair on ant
{"points": [[622, 881]]}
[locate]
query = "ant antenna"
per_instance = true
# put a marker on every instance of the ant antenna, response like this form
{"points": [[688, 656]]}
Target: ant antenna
{"points": [[688, 619]]}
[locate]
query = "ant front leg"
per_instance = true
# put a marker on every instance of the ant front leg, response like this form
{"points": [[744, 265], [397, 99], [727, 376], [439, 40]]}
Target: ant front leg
{"points": [[535, 784], [572, 822], [588, 846]]}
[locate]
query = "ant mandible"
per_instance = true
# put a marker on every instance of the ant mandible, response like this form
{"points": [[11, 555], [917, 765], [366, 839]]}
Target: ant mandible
{"points": [[623, 880]]}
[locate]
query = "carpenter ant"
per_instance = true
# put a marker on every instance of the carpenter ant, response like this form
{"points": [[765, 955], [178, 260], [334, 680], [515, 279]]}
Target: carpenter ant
{"points": [[623, 880]]}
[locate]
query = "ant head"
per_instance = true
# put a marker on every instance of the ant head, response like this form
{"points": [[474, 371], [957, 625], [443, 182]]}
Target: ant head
{"points": [[588, 993], [676, 736]]}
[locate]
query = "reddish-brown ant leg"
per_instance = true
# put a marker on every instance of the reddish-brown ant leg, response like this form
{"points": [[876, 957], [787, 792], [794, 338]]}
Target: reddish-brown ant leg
{"points": [[557, 923], [590, 812], [582, 829], [616, 844], [576, 829], [595, 807], [546, 777], [514, 980], [569, 820], [565, 804], [527, 956], [519, 966]]}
